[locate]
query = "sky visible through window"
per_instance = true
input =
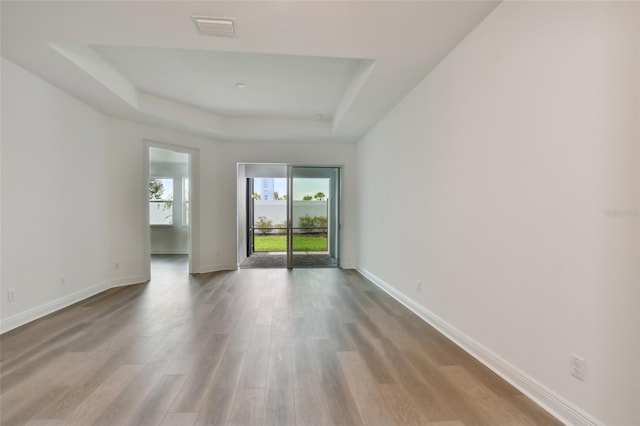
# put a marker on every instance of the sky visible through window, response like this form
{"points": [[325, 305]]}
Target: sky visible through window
{"points": [[302, 187], [167, 184]]}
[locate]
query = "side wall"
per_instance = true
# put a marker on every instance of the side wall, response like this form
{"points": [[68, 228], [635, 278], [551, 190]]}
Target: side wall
{"points": [[241, 218], [54, 198], [128, 222], [511, 192]]}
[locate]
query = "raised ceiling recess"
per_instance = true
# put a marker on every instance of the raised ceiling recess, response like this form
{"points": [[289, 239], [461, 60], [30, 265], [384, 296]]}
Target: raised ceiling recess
{"points": [[324, 71]]}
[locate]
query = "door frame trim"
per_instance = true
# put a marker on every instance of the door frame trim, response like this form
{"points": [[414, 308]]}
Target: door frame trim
{"points": [[250, 216], [290, 216], [194, 203]]}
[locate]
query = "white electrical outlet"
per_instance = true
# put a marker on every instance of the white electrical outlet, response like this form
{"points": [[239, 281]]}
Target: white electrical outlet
{"points": [[419, 285], [62, 281], [577, 367], [116, 265], [11, 294]]}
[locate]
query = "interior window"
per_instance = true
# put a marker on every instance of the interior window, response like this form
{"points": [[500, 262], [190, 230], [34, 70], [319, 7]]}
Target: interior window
{"points": [[161, 201]]}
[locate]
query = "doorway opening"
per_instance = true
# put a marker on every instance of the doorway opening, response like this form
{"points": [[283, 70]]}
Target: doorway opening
{"points": [[288, 216], [170, 202]]}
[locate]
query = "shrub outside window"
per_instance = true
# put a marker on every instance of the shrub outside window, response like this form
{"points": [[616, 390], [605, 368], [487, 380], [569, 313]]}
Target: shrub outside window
{"points": [[161, 201]]}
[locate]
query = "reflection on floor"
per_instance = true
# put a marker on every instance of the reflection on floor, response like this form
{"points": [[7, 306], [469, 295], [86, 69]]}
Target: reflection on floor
{"points": [[314, 260], [279, 260], [169, 264]]}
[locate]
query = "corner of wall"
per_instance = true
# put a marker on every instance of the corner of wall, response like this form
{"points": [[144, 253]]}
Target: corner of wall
{"points": [[205, 269], [553, 403], [45, 309]]}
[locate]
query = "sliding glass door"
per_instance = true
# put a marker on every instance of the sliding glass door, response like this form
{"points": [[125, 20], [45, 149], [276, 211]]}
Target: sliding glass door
{"points": [[292, 216], [313, 217], [266, 216]]}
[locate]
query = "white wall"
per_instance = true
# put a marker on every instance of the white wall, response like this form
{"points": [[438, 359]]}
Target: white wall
{"points": [[241, 211], [499, 167], [218, 192], [52, 161], [128, 221]]}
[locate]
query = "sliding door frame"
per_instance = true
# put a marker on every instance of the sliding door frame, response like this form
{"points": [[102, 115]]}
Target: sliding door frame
{"points": [[289, 216]]}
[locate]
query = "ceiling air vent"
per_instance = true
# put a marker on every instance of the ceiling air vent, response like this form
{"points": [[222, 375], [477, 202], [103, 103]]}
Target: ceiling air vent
{"points": [[207, 25]]}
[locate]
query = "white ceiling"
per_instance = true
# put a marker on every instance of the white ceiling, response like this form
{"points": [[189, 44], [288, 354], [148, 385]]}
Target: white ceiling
{"points": [[315, 71], [277, 86]]}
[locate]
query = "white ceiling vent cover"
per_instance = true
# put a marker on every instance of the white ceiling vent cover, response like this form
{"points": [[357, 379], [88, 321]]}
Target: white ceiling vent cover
{"points": [[207, 25]]}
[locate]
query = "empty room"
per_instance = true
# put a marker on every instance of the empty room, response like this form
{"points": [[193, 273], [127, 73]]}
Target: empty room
{"points": [[320, 213]]}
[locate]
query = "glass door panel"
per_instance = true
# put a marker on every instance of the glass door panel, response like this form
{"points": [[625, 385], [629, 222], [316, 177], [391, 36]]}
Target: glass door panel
{"points": [[267, 222], [313, 217]]}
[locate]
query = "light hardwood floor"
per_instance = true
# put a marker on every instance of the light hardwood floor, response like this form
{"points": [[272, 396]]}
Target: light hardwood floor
{"points": [[248, 347]]}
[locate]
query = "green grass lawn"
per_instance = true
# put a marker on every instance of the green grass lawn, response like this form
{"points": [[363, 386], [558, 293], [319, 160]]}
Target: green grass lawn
{"points": [[279, 243]]}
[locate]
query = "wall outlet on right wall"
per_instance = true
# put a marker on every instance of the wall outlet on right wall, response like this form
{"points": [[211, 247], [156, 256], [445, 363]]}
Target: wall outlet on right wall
{"points": [[577, 366]]}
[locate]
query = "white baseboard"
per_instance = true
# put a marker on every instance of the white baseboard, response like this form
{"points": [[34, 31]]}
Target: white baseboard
{"points": [[169, 252], [33, 314], [556, 405], [55, 305], [220, 267], [133, 279]]}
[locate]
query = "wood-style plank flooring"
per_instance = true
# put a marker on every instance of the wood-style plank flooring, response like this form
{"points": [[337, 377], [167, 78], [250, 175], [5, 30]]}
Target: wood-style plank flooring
{"points": [[248, 347]]}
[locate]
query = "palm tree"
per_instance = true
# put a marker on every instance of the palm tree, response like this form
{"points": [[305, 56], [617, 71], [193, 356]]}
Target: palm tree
{"points": [[319, 196]]}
